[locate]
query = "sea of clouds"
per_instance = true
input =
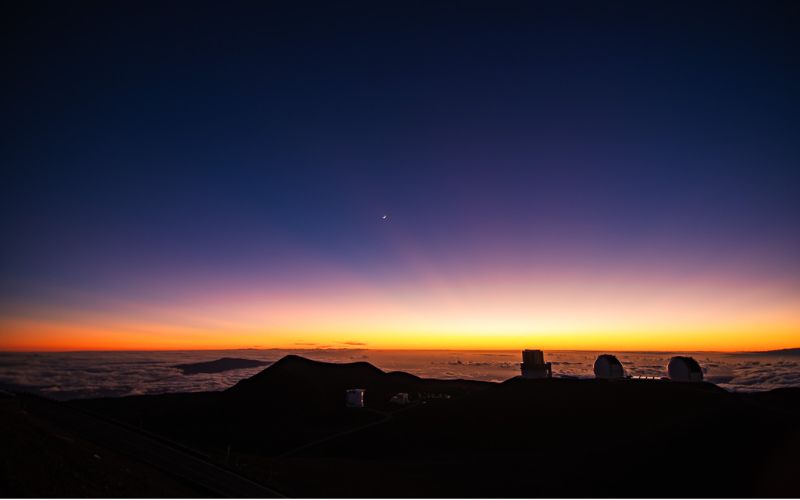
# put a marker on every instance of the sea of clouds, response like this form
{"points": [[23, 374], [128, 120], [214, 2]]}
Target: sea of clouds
{"points": [[111, 374]]}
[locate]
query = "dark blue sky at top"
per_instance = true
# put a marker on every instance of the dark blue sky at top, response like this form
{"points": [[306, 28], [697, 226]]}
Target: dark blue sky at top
{"points": [[144, 137]]}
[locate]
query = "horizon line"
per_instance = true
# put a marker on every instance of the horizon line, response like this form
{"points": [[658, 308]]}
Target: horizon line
{"points": [[67, 351]]}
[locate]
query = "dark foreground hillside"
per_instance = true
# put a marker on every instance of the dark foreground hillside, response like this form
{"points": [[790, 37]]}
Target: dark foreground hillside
{"points": [[41, 458], [570, 438], [288, 428]]}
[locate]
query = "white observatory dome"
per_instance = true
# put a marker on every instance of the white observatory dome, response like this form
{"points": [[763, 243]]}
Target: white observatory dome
{"points": [[608, 366], [684, 369]]}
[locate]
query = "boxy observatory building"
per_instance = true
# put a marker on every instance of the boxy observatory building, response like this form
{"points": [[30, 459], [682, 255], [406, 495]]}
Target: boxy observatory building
{"points": [[533, 365]]}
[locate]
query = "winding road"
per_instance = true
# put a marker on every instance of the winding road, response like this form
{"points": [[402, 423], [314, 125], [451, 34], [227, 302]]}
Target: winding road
{"points": [[169, 458]]}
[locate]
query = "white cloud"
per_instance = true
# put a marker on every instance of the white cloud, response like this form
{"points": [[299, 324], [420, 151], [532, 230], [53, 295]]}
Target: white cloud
{"points": [[88, 374]]}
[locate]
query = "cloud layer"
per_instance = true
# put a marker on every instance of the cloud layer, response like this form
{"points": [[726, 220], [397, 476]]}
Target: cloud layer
{"points": [[101, 374]]}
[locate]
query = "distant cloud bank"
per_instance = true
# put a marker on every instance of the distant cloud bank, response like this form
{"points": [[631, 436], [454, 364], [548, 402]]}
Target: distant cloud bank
{"points": [[109, 374]]}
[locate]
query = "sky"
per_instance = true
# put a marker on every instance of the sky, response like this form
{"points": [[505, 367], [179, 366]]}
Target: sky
{"points": [[560, 175]]}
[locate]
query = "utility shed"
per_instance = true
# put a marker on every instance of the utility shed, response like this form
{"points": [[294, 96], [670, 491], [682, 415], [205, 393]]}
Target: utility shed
{"points": [[354, 398]]}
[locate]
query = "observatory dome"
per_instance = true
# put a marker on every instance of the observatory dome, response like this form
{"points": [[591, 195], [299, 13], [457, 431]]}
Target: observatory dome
{"points": [[608, 366], [684, 369]]}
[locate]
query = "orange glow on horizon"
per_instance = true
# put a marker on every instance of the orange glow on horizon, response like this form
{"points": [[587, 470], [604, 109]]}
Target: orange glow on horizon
{"points": [[26, 335], [627, 313]]}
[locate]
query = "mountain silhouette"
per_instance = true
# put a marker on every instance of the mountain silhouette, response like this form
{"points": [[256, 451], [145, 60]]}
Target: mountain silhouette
{"points": [[219, 365], [795, 351], [319, 385], [291, 402], [303, 373]]}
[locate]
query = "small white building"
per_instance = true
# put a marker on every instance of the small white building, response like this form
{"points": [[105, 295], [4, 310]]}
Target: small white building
{"points": [[354, 398], [684, 369], [401, 398], [607, 366], [533, 365]]}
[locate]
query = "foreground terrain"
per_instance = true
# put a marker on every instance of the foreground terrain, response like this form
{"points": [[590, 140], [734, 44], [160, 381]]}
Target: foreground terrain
{"points": [[287, 429]]}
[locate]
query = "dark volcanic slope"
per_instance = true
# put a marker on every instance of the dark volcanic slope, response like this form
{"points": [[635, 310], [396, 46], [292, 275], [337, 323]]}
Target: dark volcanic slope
{"points": [[43, 459], [291, 403], [304, 382], [220, 365], [572, 438], [553, 437]]}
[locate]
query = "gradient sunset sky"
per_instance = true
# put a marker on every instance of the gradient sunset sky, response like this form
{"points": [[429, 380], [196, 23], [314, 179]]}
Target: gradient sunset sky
{"points": [[560, 175]]}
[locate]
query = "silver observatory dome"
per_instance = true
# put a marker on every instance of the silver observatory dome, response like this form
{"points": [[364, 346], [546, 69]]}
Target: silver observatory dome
{"points": [[608, 366], [684, 369]]}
